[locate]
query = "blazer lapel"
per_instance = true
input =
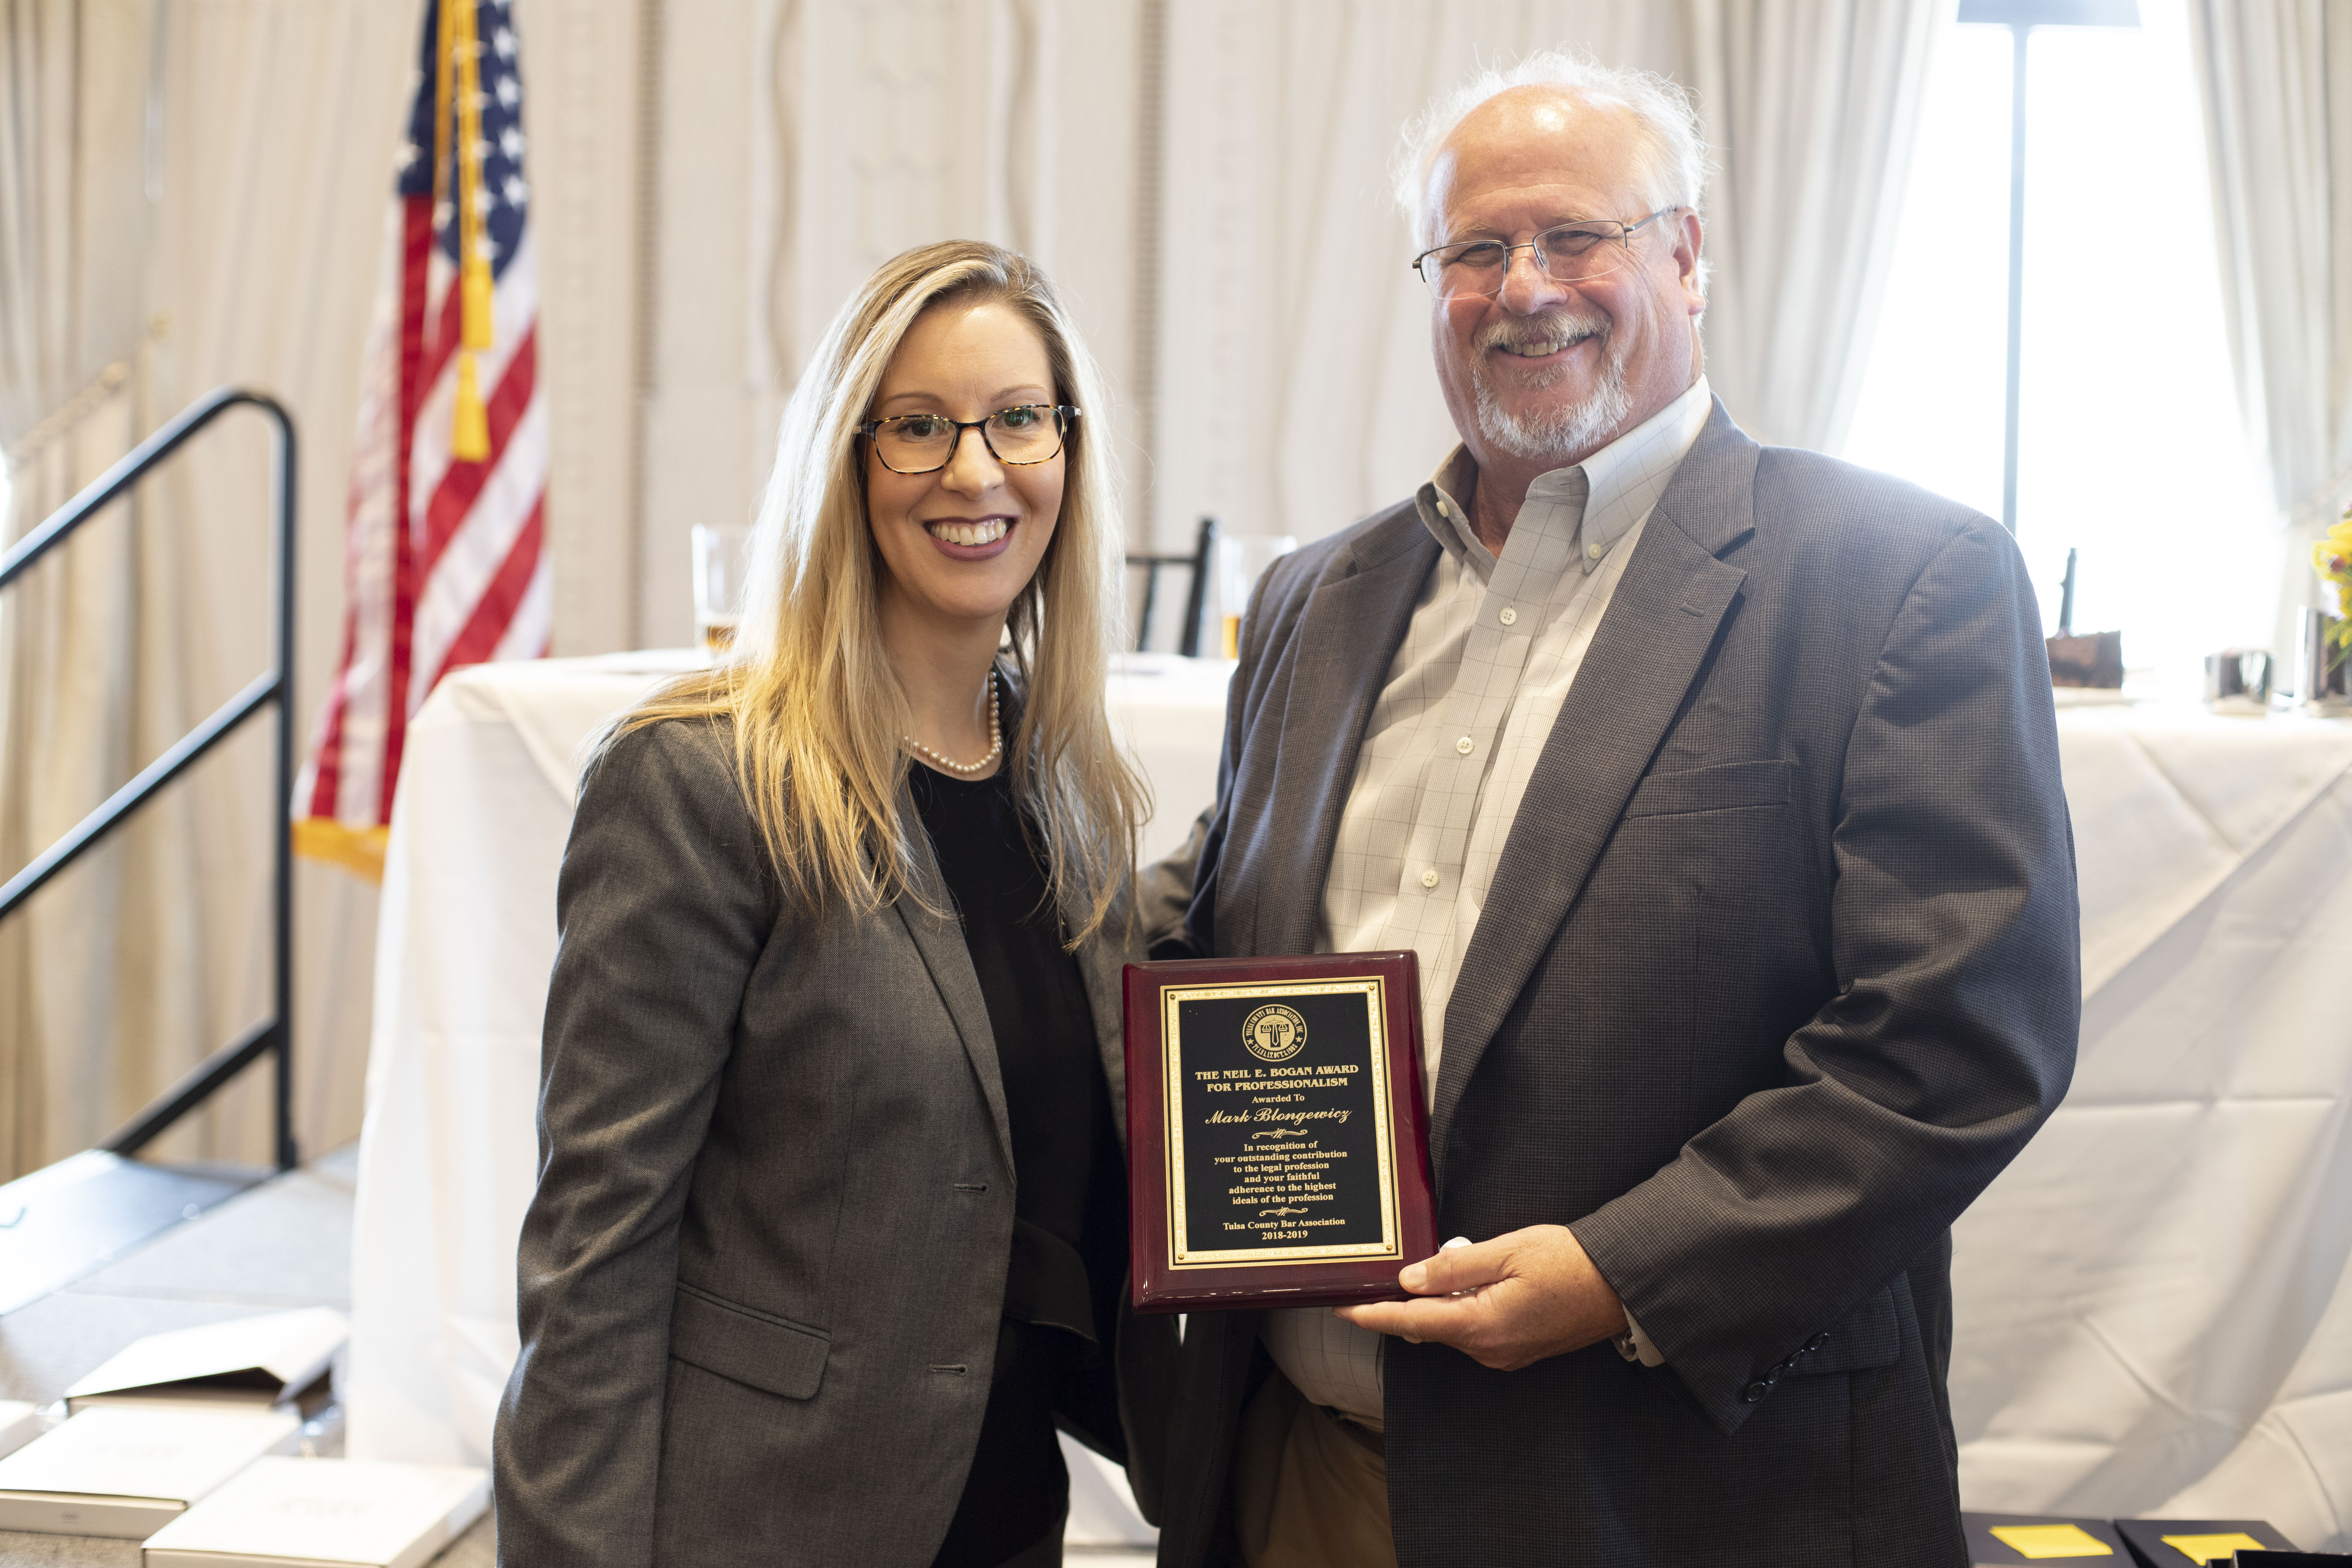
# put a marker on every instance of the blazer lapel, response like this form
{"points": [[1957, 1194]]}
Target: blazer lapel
{"points": [[939, 939], [1346, 638], [1643, 657]]}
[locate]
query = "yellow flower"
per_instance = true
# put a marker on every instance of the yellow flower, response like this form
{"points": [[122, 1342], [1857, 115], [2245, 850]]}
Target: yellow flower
{"points": [[2331, 555]]}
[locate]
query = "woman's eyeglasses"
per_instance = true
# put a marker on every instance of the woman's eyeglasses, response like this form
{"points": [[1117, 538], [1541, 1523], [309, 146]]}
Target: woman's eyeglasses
{"points": [[925, 443]]}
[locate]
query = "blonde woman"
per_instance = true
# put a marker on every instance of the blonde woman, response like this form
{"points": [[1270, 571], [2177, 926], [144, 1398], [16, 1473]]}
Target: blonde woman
{"points": [[830, 1230]]}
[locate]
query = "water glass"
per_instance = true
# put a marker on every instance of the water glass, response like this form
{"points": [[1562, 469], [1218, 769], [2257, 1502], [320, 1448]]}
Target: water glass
{"points": [[722, 559], [1242, 559]]}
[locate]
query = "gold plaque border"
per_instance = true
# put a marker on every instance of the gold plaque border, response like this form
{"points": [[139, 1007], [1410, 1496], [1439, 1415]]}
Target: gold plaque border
{"points": [[1373, 987]]}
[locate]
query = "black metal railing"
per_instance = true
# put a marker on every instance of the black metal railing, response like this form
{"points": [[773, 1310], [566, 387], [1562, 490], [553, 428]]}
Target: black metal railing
{"points": [[273, 1037]]}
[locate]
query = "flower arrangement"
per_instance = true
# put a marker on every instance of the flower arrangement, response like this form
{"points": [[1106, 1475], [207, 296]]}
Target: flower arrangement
{"points": [[2332, 556]]}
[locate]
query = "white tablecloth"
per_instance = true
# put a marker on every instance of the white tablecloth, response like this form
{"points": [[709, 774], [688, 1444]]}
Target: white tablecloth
{"points": [[2154, 1312], [2154, 1308]]}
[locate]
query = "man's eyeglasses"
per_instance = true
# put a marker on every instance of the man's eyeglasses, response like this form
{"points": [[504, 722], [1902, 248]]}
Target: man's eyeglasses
{"points": [[1575, 252], [925, 443]]}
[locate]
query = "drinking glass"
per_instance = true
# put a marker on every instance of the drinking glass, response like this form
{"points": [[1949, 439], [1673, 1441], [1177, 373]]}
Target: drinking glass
{"points": [[722, 559], [1242, 559]]}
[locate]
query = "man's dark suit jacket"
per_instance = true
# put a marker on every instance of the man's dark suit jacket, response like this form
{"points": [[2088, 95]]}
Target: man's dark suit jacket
{"points": [[1777, 969]]}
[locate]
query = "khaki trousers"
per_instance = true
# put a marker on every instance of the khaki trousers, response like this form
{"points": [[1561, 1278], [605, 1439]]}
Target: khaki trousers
{"points": [[1310, 1489]]}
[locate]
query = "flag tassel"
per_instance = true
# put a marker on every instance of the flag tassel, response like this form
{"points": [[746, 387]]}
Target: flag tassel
{"points": [[469, 433]]}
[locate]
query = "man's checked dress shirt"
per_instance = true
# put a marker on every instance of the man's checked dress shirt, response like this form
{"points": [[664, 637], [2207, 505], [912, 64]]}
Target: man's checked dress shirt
{"points": [[1471, 699]]}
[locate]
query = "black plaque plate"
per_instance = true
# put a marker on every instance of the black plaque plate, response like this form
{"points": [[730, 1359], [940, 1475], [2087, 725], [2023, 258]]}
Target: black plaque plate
{"points": [[1277, 1145]]}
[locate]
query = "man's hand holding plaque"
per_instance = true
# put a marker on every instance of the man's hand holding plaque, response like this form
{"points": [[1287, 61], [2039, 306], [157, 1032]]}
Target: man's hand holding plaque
{"points": [[1277, 1133], [1505, 1303]]}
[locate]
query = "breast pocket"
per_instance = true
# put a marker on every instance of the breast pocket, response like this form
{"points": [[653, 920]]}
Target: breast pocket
{"points": [[1728, 786]]}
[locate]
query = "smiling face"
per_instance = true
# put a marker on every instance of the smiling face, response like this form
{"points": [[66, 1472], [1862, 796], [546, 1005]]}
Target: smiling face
{"points": [[960, 544], [1544, 374]]}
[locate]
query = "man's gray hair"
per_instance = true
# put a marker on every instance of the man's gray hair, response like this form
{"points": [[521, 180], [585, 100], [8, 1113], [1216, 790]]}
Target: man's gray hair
{"points": [[1675, 149]]}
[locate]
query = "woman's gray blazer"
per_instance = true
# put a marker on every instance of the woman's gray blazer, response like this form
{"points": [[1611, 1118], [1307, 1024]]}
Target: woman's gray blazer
{"points": [[761, 1274]]}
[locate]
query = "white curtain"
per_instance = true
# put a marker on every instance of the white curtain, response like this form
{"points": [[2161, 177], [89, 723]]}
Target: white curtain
{"points": [[1244, 286], [791, 148], [1809, 108], [196, 207], [2275, 77], [71, 88], [1295, 392]]}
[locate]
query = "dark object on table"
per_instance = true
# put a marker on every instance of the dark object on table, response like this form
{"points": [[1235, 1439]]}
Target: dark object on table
{"points": [[2184, 1542], [1997, 1539], [2095, 659], [1277, 1141]]}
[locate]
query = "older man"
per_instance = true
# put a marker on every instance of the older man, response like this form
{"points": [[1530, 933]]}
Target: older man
{"points": [[1717, 787]]}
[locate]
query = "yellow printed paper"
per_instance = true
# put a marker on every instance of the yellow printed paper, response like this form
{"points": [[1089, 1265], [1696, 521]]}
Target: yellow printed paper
{"points": [[2203, 1549], [2040, 1541]]}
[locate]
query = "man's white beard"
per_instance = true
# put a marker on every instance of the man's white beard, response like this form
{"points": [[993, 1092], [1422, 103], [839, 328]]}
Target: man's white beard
{"points": [[1555, 435]]}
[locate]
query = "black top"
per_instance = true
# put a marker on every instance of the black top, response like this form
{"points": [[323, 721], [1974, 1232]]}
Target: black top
{"points": [[1069, 1240]]}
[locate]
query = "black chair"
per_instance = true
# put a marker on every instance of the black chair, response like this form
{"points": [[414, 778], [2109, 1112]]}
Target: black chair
{"points": [[1188, 642]]}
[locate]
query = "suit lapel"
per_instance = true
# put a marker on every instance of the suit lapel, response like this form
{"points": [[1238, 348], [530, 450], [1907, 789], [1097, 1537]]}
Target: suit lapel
{"points": [[1642, 660], [1347, 636], [939, 939]]}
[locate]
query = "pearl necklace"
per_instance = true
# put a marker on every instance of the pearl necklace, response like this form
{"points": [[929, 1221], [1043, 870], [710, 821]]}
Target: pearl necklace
{"points": [[995, 741]]}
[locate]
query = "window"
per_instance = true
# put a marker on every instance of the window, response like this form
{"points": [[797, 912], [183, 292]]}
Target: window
{"points": [[2130, 448]]}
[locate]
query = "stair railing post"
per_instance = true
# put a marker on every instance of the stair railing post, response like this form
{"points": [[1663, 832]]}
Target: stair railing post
{"points": [[282, 800]]}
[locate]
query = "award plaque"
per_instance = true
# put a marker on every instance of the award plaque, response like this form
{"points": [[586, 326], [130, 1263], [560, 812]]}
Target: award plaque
{"points": [[1279, 1154]]}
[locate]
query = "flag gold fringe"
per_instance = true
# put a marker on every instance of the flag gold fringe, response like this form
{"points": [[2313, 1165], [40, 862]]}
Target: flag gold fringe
{"points": [[359, 850]]}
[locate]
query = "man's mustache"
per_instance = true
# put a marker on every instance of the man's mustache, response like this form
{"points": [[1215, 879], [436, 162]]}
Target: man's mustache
{"points": [[1554, 329]]}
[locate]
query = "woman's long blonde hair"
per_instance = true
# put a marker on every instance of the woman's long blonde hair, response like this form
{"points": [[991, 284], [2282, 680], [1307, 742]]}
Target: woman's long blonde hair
{"points": [[818, 711]]}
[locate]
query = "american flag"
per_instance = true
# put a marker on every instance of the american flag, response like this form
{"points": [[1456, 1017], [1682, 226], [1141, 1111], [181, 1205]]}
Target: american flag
{"points": [[444, 563]]}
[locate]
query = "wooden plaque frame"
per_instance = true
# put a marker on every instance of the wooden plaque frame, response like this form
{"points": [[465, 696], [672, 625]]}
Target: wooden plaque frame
{"points": [[1178, 1265]]}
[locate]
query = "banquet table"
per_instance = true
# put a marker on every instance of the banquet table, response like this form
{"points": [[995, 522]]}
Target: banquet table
{"points": [[2153, 1305]]}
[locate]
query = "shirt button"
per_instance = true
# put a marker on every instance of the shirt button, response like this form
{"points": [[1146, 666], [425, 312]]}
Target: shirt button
{"points": [[1428, 878], [1466, 745], [1442, 511], [1509, 617], [1594, 551]]}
